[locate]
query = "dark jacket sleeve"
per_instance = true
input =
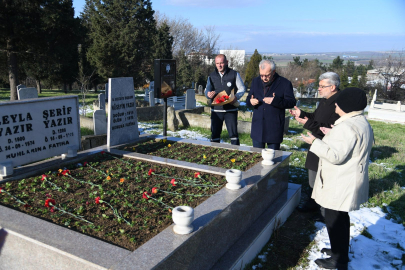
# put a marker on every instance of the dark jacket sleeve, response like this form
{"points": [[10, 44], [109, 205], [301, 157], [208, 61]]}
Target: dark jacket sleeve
{"points": [[314, 126], [287, 101]]}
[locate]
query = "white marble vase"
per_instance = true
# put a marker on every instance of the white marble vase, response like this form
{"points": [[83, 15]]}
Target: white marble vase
{"points": [[183, 216], [268, 155], [233, 177]]}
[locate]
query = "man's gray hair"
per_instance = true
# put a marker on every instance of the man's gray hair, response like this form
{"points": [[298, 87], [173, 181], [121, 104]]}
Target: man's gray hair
{"points": [[263, 63], [332, 77]]}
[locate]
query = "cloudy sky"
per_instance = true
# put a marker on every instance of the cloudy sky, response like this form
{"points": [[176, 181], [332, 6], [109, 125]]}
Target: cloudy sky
{"points": [[294, 26]]}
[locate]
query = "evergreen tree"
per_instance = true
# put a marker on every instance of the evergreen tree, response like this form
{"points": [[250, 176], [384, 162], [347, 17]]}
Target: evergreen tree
{"points": [[355, 79], [57, 57], [163, 43], [184, 74], [350, 68], [252, 69], [337, 64], [120, 32], [370, 65], [20, 30], [344, 80], [363, 80], [297, 61]]}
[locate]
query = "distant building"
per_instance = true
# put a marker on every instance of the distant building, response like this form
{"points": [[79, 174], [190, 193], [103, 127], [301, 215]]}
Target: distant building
{"points": [[207, 59], [235, 57]]}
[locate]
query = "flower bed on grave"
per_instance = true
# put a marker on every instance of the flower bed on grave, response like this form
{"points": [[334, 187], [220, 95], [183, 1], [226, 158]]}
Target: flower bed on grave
{"points": [[119, 200], [207, 155]]}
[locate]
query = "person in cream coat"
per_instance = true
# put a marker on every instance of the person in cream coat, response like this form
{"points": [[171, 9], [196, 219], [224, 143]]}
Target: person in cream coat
{"points": [[341, 183]]}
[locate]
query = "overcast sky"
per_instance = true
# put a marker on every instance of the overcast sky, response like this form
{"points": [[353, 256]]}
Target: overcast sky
{"points": [[294, 26]]}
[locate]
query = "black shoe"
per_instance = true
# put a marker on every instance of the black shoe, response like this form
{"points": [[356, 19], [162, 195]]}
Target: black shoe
{"points": [[318, 217], [330, 263], [327, 251]]}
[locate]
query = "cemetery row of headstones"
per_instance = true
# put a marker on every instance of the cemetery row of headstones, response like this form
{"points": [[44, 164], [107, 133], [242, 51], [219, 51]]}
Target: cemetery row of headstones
{"points": [[36, 129]]}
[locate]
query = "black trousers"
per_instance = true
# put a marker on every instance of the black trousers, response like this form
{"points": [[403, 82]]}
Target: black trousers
{"points": [[338, 226], [231, 122]]}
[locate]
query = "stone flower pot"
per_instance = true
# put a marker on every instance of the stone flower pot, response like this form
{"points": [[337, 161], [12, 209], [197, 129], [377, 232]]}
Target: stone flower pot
{"points": [[268, 155], [233, 177], [183, 216]]}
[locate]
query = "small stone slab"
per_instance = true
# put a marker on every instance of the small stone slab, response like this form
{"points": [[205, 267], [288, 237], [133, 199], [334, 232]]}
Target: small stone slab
{"points": [[26, 93], [99, 122]]}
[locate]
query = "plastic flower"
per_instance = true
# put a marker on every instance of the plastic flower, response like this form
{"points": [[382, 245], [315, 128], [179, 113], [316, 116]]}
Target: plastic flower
{"points": [[98, 200], [204, 156], [49, 201], [233, 160], [170, 210], [151, 172], [169, 145], [1, 189], [27, 205], [60, 170], [108, 177], [52, 209], [146, 195], [173, 182], [155, 190], [102, 152], [43, 177], [106, 171], [197, 175], [65, 172], [122, 180], [84, 164]]}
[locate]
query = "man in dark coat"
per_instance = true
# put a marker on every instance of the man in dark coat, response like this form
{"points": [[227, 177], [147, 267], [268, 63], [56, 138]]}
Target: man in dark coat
{"points": [[224, 79], [270, 94], [323, 116]]}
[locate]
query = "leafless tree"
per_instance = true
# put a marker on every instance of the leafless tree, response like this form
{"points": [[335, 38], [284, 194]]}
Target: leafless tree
{"points": [[187, 38], [391, 71]]}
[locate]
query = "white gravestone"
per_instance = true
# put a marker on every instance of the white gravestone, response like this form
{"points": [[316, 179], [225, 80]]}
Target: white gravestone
{"points": [[122, 117], [99, 122], [190, 99], [101, 101], [20, 86], [36, 129], [200, 90], [26, 93]]}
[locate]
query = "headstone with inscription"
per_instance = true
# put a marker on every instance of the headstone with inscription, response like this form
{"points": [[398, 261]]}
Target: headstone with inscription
{"points": [[26, 93], [190, 99], [36, 129], [99, 122], [20, 86], [122, 117], [101, 101]]}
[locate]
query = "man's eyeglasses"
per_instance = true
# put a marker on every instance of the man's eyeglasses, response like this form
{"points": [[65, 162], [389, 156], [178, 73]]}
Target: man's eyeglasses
{"points": [[324, 86]]}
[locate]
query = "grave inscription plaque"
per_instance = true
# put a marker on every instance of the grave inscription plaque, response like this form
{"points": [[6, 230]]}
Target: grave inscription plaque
{"points": [[35, 129]]}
